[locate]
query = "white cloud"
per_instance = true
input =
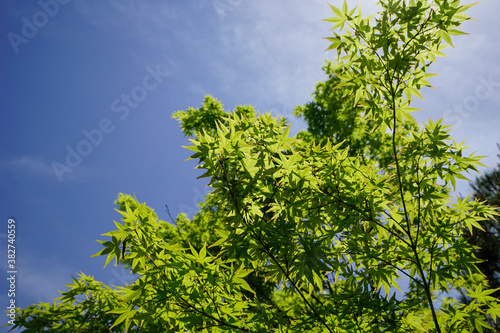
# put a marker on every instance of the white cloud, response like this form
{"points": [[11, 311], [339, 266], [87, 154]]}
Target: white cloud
{"points": [[270, 54], [276, 51], [44, 285], [149, 24], [37, 167], [29, 165]]}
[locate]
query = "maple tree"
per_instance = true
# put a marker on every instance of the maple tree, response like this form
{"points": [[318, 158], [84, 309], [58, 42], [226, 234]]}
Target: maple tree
{"points": [[314, 232]]}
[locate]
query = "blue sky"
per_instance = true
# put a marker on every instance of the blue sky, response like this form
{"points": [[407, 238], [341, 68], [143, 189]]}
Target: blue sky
{"points": [[101, 79]]}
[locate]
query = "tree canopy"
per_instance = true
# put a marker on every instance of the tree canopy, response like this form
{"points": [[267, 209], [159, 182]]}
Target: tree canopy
{"points": [[487, 240], [487, 188], [348, 227]]}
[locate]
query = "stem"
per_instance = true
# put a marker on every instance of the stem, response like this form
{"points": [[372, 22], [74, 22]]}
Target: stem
{"points": [[413, 245]]}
